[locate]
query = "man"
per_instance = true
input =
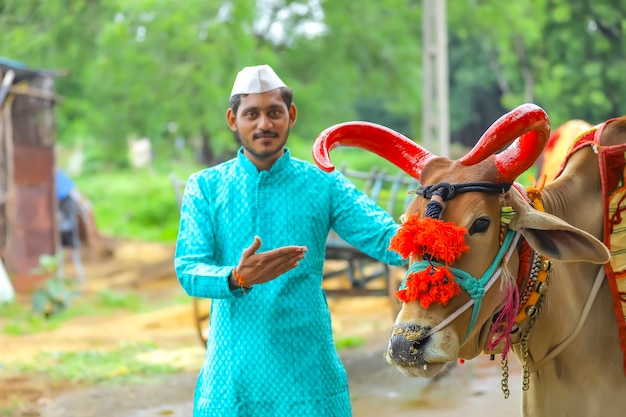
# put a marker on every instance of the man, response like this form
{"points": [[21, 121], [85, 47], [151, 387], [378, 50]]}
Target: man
{"points": [[252, 237]]}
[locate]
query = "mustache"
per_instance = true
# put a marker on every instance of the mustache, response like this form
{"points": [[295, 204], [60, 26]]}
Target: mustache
{"points": [[265, 133]]}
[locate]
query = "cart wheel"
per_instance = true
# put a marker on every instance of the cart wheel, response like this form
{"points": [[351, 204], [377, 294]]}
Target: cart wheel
{"points": [[202, 316], [396, 275]]}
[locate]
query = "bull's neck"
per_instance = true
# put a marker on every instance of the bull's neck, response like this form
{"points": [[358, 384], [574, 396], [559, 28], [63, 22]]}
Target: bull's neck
{"points": [[578, 205]]}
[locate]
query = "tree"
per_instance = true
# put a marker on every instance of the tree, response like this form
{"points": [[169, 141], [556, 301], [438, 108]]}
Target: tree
{"points": [[164, 69]]}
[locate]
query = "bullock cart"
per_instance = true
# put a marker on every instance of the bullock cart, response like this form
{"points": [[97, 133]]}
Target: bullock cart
{"points": [[348, 272]]}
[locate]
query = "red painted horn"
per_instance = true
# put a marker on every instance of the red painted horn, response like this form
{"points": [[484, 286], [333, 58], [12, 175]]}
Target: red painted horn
{"points": [[529, 124], [385, 142]]}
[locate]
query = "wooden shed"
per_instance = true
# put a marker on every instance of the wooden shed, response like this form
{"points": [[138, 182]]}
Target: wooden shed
{"points": [[28, 204]]}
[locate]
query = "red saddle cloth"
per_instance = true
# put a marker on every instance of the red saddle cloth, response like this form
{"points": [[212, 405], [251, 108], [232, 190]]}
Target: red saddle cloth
{"points": [[612, 162]]}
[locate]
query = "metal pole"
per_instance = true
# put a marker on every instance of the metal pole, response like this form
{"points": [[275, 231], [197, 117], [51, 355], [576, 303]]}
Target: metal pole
{"points": [[428, 56], [435, 112], [443, 113]]}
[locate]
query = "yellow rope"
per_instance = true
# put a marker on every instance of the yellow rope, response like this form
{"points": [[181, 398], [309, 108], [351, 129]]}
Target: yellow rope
{"points": [[534, 191]]}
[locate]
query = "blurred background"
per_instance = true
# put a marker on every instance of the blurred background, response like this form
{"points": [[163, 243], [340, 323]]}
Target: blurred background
{"points": [[163, 70], [115, 96]]}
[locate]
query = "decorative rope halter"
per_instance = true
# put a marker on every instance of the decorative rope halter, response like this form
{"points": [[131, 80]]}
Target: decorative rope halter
{"points": [[441, 243]]}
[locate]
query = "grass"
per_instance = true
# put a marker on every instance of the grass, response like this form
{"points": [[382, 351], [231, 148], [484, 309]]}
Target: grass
{"points": [[11, 409], [349, 342], [132, 204], [119, 366], [17, 318], [135, 203]]}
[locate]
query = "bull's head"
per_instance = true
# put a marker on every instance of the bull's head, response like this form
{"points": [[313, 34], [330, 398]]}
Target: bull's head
{"points": [[458, 235]]}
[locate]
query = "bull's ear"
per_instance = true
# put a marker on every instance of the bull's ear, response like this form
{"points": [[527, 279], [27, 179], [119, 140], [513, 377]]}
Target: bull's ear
{"points": [[555, 238]]}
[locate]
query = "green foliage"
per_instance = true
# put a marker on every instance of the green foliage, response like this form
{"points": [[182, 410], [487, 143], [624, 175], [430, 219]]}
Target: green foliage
{"points": [[113, 300], [17, 319], [137, 204], [29, 323], [54, 298], [141, 204], [56, 295], [135, 67], [120, 366], [349, 342]]}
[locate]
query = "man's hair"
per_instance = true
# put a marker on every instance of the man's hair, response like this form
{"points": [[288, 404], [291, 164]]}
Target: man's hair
{"points": [[285, 92]]}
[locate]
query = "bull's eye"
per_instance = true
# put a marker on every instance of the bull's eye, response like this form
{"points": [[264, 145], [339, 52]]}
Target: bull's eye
{"points": [[480, 225]]}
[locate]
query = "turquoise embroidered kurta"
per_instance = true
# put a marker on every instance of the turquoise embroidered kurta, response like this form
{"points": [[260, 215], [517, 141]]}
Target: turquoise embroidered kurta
{"points": [[271, 350]]}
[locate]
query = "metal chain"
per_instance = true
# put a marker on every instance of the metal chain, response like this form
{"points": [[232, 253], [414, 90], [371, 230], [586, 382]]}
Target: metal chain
{"points": [[526, 335], [524, 346], [536, 199], [504, 365], [524, 359]]}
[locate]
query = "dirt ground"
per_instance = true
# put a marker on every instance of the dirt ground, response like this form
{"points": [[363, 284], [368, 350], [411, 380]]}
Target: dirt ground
{"points": [[472, 388]]}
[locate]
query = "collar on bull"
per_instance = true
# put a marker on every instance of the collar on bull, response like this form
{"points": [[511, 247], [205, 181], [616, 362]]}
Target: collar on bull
{"points": [[441, 243]]}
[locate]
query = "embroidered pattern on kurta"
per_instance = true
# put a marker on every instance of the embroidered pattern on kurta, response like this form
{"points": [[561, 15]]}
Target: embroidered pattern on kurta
{"points": [[271, 350]]}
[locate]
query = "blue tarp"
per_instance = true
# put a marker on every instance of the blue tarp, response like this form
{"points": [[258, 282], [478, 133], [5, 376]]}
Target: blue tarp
{"points": [[64, 185], [22, 72]]}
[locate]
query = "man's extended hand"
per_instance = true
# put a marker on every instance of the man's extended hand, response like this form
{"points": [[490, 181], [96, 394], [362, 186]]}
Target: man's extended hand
{"points": [[257, 268]]}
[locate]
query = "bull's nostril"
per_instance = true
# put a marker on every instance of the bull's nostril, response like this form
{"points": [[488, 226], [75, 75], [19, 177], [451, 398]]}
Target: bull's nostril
{"points": [[407, 343], [418, 344]]}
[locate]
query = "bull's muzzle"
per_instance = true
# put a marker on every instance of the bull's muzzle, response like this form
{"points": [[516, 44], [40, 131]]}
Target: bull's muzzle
{"points": [[407, 344]]}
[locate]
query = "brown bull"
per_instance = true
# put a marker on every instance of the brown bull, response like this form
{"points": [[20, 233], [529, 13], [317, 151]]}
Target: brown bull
{"points": [[535, 271]]}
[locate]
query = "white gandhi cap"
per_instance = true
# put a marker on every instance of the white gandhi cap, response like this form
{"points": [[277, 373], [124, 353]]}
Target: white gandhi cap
{"points": [[257, 79]]}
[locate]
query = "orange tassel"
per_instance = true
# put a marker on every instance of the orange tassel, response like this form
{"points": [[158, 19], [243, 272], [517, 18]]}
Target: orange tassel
{"points": [[432, 285], [444, 241]]}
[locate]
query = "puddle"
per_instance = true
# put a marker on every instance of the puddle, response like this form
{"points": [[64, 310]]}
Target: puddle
{"points": [[471, 389]]}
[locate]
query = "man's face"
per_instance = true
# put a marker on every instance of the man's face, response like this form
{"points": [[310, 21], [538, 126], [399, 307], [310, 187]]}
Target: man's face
{"points": [[262, 125]]}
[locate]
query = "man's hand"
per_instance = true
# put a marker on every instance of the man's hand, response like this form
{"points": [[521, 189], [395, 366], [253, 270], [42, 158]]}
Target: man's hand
{"points": [[257, 268]]}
